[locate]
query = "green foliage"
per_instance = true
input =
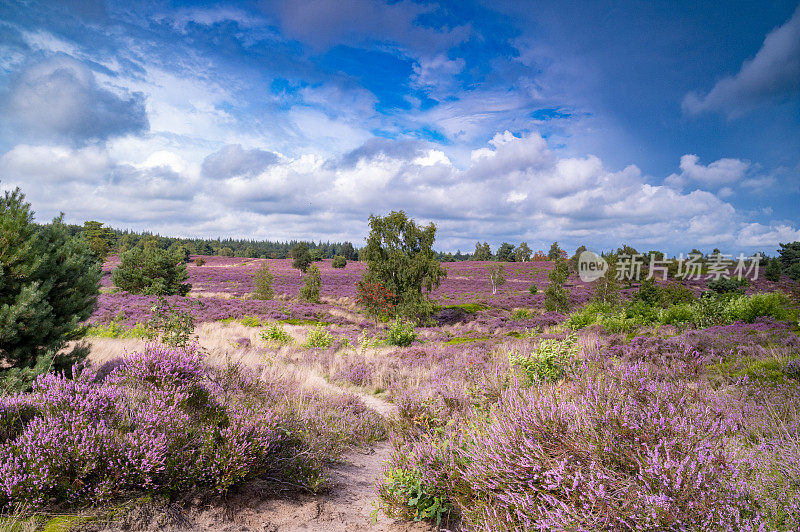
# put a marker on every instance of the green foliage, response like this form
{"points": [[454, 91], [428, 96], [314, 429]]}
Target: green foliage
{"points": [[727, 286], [200, 261], [401, 332], [522, 253], [311, 285], [49, 283], [174, 327], [533, 289], [115, 329], [466, 339], [588, 315], [99, 239], [301, 258], [677, 314], [263, 283], [551, 361], [506, 252], [318, 337], [250, 321], [522, 314], [472, 308], [663, 295], [482, 251], [400, 257], [275, 334], [410, 498], [747, 309], [773, 270], [606, 288], [338, 262], [790, 259], [556, 253], [151, 271], [556, 297]]}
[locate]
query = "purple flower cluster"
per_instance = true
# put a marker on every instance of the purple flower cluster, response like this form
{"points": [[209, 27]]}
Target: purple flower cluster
{"points": [[155, 421]]}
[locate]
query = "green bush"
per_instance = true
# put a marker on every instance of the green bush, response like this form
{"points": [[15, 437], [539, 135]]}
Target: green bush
{"points": [[748, 308], [522, 313], [642, 312], [727, 286], [588, 315], [275, 334], [533, 289], [301, 257], [339, 262], [677, 314], [551, 361], [318, 337], [200, 261], [250, 321], [151, 271], [173, 326], [405, 496], [401, 333], [310, 289], [263, 283]]}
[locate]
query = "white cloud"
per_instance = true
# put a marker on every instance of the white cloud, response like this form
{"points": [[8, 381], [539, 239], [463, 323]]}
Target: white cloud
{"points": [[772, 75], [719, 173], [516, 187]]}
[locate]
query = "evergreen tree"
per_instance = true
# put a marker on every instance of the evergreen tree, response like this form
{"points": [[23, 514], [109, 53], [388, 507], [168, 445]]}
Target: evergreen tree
{"points": [[556, 296], [482, 251], [790, 259], [263, 282], [505, 253], [100, 239], [151, 271], [301, 257], [49, 282], [555, 252]]}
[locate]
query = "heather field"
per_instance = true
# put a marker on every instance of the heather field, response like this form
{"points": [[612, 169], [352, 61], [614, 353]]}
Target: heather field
{"points": [[666, 410]]}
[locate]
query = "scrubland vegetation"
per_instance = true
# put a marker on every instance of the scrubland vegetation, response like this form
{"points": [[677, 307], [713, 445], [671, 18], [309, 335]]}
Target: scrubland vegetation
{"points": [[514, 398]]}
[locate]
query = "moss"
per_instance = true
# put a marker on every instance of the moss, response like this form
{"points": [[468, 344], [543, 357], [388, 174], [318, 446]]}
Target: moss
{"points": [[63, 523], [463, 340], [472, 308]]}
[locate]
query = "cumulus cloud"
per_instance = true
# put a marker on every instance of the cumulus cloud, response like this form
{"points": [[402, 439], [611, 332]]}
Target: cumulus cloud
{"points": [[232, 160], [516, 188], [60, 99], [772, 75], [717, 174]]}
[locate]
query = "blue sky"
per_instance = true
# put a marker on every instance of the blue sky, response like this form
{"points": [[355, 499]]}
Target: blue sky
{"points": [[668, 125]]}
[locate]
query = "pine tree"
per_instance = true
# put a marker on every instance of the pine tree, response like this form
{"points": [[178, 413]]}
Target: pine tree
{"points": [[49, 282], [313, 282], [151, 271]]}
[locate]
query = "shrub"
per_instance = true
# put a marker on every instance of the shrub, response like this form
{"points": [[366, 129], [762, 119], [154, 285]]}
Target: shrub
{"points": [[748, 308], [401, 333], [173, 326], [318, 337], [310, 289], [250, 321], [790, 260], [522, 314], [275, 334], [405, 496], [556, 297], [262, 280], [677, 314], [338, 262], [151, 271], [200, 261], [727, 286], [551, 361], [533, 289], [49, 283], [588, 315]]}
